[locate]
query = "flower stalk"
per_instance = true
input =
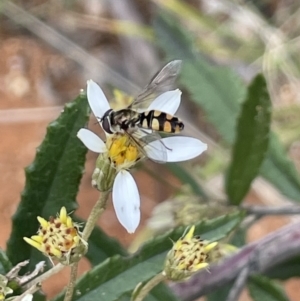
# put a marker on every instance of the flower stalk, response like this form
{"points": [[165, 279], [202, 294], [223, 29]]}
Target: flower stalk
{"points": [[71, 285], [144, 291], [97, 210]]}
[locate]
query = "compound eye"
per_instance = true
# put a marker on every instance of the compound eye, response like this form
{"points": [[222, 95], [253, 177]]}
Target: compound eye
{"points": [[106, 126]]}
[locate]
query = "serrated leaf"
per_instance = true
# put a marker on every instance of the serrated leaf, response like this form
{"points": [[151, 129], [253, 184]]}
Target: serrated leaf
{"points": [[219, 92], [118, 275], [251, 142], [52, 180], [101, 246], [263, 288]]}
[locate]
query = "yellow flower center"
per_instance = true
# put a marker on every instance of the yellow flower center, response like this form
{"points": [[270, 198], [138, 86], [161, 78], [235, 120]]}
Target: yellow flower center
{"points": [[122, 151]]}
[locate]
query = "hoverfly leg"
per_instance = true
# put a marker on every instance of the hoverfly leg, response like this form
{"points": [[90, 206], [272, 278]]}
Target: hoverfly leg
{"points": [[170, 149]]}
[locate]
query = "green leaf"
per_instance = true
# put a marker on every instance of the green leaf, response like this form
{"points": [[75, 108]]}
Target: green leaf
{"points": [[5, 264], [279, 170], [220, 92], [101, 246], [118, 275], [238, 238], [285, 270], [52, 180], [220, 294], [162, 292], [251, 142], [263, 288]]}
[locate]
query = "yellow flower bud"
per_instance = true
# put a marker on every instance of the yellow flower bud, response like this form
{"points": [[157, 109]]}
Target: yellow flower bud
{"points": [[59, 238], [188, 255]]}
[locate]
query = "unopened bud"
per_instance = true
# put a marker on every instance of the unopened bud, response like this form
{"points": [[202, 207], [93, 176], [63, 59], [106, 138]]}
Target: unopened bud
{"points": [[59, 238], [188, 255]]}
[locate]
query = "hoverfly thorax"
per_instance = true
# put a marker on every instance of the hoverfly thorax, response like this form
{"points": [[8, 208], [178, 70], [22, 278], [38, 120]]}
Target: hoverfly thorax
{"points": [[120, 121]]}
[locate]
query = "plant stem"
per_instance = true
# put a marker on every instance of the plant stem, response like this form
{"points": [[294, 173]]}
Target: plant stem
{"points": [[71, 285], [95, 214], [149, 286], [238, 285], [278, 210]]}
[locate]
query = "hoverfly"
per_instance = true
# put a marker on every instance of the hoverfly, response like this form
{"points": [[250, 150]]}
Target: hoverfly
{"points": [[141, 124]]}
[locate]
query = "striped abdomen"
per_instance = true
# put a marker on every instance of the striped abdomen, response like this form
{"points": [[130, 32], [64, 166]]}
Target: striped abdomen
{"points": [[160, 121]]}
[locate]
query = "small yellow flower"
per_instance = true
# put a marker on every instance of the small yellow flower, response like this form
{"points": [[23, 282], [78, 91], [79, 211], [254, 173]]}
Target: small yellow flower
{"points": [[188, 255], [59, 238]]}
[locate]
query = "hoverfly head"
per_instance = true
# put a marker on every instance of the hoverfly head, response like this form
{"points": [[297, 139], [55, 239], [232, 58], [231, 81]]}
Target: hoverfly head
{"points": [[105, 121]]}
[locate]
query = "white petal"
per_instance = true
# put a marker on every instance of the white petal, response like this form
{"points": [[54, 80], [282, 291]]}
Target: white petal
{"points": [[96, 98], [167, 102], [91, 141], [157, 151], [181, 148], [27, 297], [126, 200]]}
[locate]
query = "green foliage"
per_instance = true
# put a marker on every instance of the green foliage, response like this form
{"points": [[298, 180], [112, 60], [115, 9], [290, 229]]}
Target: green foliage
{"points": [[118, 275], [5, 264], [251, 142], [263, 288], [220, 294], [279, 170], [52, 180], [285, 270], [220, 92]]}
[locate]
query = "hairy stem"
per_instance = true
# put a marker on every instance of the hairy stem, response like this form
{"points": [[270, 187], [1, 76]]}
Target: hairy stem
{"points": [[71, 285], [149, 286], [95, 214]]}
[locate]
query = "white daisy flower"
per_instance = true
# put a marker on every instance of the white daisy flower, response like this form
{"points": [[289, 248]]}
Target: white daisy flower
{"points": [[122, 154]]}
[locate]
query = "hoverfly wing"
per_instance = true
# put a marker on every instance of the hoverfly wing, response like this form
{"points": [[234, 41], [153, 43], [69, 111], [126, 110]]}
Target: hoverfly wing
{"points": [[162, 82], [150, 145]]}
